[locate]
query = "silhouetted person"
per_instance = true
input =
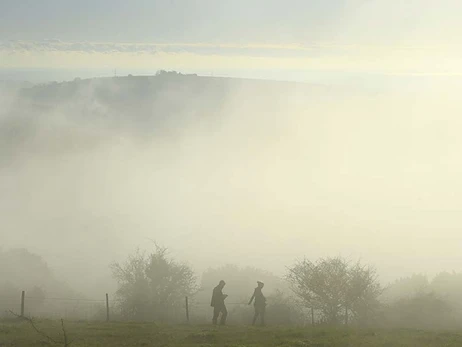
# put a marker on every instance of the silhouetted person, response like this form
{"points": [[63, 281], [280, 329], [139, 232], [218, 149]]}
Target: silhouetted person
{"points": [[259, 304], [218, 303]]}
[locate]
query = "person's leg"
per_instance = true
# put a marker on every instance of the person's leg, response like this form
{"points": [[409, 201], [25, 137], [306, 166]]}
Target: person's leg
{"points": [[262, 315], [216, 312], [224, 314], [255, 316]]}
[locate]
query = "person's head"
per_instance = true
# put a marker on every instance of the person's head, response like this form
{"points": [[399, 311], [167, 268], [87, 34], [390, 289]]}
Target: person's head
{"points": [[260, 284], [222, 283]]}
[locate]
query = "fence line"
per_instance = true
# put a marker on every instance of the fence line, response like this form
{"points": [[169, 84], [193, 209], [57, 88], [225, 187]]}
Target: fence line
{"points": [[54, 299], [100, 309], [24, 300], [67, 299], [34, 304]]}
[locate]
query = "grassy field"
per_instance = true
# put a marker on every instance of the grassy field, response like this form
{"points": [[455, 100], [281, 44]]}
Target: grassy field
{"points": [[14, 333]]}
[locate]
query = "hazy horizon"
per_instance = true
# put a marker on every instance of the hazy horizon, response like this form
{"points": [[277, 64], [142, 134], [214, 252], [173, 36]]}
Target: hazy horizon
{"points": [[230, 171]]}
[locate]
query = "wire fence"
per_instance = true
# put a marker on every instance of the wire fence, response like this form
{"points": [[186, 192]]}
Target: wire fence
{"points": [[54, 307], [68, 308]]}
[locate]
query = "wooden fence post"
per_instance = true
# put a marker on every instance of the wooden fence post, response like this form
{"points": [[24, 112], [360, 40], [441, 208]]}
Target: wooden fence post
{"points": [[312, 316], [187, 309], [23, 297], [107, 307]]}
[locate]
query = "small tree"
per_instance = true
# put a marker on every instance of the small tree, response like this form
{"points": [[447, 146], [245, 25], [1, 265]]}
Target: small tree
{"points": [[333, 285], [152, 287], [363, 292]]}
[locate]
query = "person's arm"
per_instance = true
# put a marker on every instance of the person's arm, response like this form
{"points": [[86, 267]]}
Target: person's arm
{"points": [[253, 297]]}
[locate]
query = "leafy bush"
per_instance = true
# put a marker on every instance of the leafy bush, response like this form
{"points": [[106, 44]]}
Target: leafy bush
{"points": [[332, 286], [153, 287]]}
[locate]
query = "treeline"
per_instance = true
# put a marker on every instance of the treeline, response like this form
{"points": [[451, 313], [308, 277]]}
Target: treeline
{"points": [[332, 291], [152, 286], [21, 270]]}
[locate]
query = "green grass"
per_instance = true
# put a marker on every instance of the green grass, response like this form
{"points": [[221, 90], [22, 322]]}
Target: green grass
{"points": [[18, 334]]}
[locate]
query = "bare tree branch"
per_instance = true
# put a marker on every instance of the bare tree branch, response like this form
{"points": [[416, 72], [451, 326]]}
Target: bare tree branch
{"points": [[65, 343], [32, 323]]}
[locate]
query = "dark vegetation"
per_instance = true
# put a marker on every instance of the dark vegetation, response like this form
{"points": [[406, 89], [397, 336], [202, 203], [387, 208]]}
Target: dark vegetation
{"points": [[153, 286]]}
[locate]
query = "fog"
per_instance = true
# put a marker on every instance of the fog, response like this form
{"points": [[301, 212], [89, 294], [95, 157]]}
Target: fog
{"points": [[221, 171]]}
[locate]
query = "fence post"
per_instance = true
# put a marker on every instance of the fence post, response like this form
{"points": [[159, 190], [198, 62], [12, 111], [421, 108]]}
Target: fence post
{"points": [[23, 297], [187, 309], [312, 316], [107, 307], [346, 315]]}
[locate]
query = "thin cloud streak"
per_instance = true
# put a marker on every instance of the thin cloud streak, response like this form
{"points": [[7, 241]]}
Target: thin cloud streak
{"points": [[389, 60], [110, 47]]}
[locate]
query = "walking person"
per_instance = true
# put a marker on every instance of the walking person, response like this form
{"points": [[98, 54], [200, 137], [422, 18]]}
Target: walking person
{"points": [[259, 304], [218, 303]]}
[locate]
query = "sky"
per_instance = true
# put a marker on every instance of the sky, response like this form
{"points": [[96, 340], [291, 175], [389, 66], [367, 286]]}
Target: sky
{"points": [[317, 37]]}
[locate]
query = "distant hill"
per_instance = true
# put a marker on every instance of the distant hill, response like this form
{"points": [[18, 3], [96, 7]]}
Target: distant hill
{"points": [[59, 117], [155, 100]]}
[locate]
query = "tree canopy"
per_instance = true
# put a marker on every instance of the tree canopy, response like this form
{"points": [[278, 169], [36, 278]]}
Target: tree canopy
{"points": [[152, 286], [333, 285]]}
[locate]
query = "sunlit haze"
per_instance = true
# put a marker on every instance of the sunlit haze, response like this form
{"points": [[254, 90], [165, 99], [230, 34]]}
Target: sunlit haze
{"points": [[312, 129]]}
